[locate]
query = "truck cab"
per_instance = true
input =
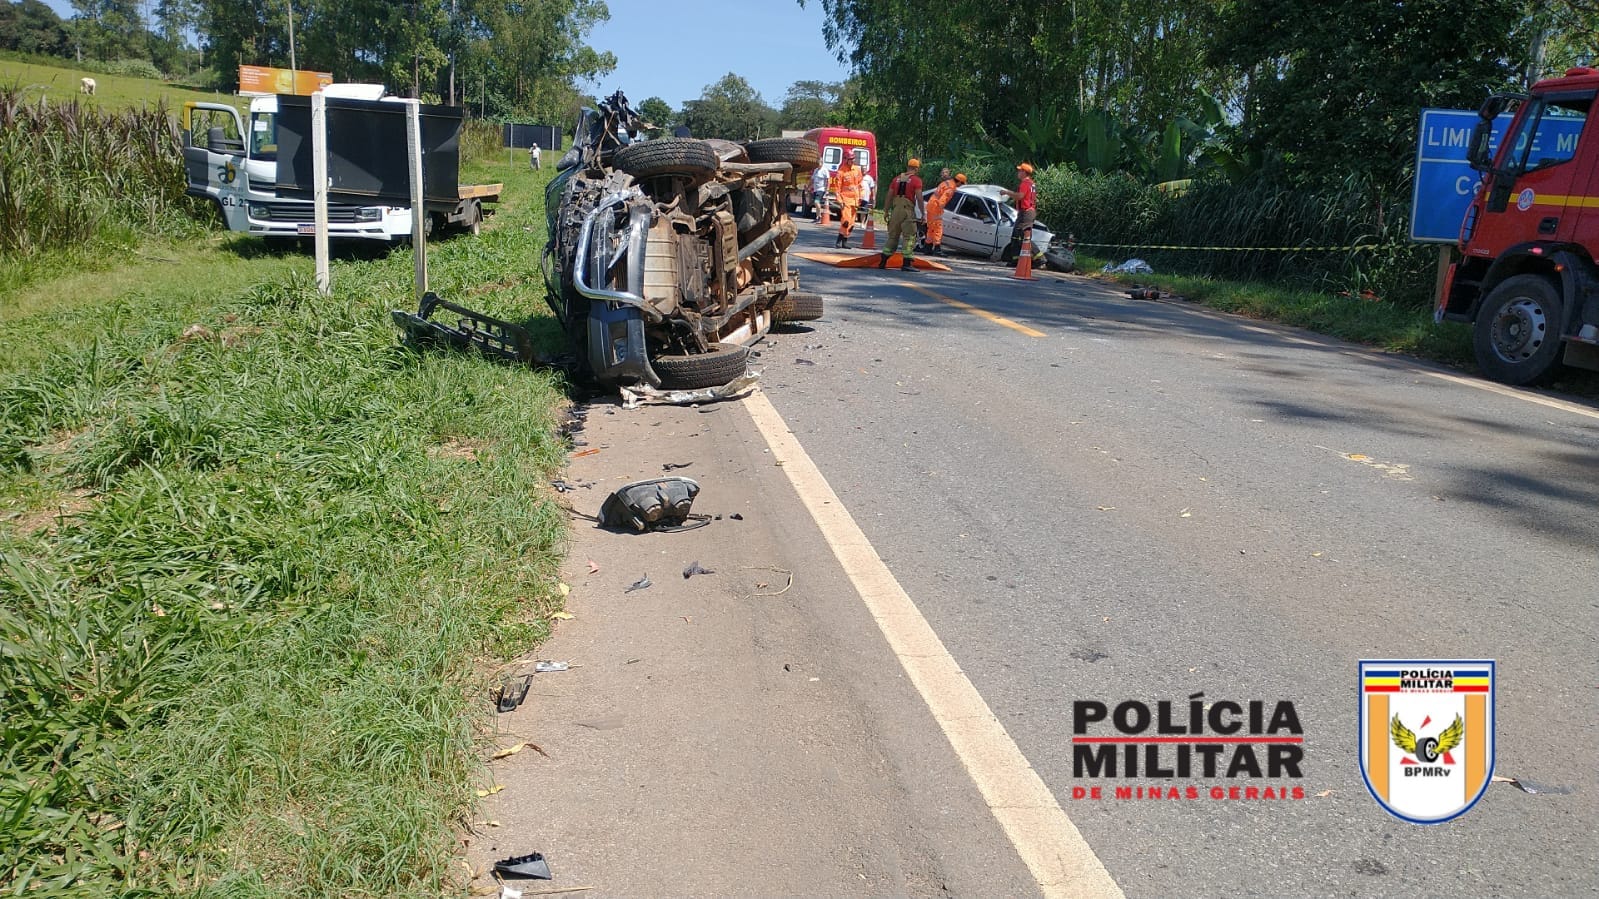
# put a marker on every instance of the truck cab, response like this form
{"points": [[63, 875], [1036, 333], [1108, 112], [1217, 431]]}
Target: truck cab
{"points": [[1526, 280], [236, 168]]}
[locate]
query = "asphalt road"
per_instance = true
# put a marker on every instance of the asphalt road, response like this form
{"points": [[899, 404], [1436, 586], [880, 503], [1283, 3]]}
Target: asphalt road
{"points": [[1147, 500]]}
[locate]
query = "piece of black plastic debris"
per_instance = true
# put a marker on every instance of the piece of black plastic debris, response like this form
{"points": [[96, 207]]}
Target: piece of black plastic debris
{"points": [[511, 694], [642, 583], [798, 361], [560, 485], [670, 466], [531, 865], [695, 568], [736, 516]]}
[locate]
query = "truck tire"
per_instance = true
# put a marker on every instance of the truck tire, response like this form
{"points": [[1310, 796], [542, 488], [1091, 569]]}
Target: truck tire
{"points": [[802, 154], [723, 363], [798, 306], [475, 226], [668, 156], [1517, 331]]}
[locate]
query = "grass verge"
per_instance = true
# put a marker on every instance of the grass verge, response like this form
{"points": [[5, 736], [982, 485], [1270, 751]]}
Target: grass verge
{"points": [[253, 560]]}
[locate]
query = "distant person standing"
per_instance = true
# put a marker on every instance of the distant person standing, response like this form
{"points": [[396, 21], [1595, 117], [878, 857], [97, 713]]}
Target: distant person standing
{"points": [[1026, 197], [935, 210], [846, 186], [533, 157], [818, 189], [868, 192], [904, 211]]}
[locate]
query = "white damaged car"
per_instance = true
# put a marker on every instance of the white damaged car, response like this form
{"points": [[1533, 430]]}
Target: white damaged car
{"points": [[979, 219]]}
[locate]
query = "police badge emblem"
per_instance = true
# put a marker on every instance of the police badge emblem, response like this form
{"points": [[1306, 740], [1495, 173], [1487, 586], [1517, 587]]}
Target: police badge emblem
{"points": [[1427, 735]]}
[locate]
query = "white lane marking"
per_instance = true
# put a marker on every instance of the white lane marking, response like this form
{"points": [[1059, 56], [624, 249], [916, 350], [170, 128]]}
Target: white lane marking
{"points": [[1047, 841], [1515, 394]]}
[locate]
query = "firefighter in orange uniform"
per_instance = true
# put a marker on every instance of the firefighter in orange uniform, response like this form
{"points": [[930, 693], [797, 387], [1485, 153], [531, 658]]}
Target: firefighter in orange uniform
{"points": [[846, 186], [935, 210]]}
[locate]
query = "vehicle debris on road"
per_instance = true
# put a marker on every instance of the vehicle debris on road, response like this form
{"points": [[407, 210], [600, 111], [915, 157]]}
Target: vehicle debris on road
{"points": [[658, 504], [511, 694], [639, 394], [695, 568], [531, 865], [642, 583]]}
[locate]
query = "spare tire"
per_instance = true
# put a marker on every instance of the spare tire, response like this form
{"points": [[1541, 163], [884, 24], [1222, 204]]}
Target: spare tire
{"points": [[667, 156], [721, 364], [802, 154], [797, 306]]}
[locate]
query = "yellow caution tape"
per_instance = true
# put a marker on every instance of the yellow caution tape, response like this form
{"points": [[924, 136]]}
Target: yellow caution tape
{"points": [[1150, 246]]}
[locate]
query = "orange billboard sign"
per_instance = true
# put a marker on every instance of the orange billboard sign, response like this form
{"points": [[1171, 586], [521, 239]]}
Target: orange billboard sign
{"points": [[267, 80]]}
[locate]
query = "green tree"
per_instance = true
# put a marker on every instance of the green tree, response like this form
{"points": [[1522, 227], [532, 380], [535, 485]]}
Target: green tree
{"points": [[964, 71], [110, 29], [1335, 86], [30, 26], [658, 113], [809, 104], [731, 109]]}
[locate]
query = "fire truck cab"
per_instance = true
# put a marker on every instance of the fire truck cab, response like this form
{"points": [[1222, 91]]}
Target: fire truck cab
{"points": [[1526, 280]]}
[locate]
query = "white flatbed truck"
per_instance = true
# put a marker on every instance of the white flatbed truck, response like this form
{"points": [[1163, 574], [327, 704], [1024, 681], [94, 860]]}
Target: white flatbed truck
{"points": [[236, 169]]}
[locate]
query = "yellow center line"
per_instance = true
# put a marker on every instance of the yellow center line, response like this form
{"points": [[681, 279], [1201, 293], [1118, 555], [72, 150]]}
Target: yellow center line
{"points": [[980, 313]]}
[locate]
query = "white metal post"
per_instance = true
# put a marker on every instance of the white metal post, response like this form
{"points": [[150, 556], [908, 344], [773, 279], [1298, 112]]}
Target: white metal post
{"points": [[319, 193], [413, 148]]}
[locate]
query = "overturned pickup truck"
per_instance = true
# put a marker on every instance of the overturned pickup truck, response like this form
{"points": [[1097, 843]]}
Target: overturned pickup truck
{"points": [[668, 258]]}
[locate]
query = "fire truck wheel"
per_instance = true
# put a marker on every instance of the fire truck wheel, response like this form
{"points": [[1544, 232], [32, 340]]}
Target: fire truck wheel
{"points": [[1517, 332], [802, 154], [723, 363], [668, 156]]}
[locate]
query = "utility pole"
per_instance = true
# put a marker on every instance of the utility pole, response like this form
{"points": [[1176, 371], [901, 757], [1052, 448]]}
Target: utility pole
{"points": [[454, 11], [292, 64]]}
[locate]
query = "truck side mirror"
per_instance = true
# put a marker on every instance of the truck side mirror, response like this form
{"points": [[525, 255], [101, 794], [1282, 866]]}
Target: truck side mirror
{"points": [[1478, 153]]}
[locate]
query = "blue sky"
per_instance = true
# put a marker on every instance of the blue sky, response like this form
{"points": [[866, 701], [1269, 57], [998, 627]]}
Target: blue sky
{"points": [[772, 43]]}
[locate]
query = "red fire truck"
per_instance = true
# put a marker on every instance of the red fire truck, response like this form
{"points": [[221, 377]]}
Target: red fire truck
{"points": [[1527, 280]]}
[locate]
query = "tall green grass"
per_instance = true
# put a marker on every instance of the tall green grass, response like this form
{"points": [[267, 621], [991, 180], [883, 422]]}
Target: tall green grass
{"points": [[71, 173], [263, 555], [1105, 210]]}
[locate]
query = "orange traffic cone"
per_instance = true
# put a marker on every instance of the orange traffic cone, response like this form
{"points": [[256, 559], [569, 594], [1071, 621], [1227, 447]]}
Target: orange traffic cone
{"points": [[826, 217], [869, 241], [1024, 261]]}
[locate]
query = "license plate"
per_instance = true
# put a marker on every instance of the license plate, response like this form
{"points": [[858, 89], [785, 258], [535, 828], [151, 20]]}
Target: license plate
{"points": [[308, 230]]}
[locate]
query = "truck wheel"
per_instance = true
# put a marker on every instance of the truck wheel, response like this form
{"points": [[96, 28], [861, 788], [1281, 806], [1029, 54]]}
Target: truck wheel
{"points": [[668, 156], [1517, 332], [723, 363], [798, 306], [802, 154], [477, 220]]}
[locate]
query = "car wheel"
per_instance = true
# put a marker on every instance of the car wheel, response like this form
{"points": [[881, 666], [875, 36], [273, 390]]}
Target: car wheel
{"points": [[798, 306], [721, 364], [668, 156], [1517, 332], [802, 154]]}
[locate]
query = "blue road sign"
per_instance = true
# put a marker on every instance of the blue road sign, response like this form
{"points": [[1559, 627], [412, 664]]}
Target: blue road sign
{"points": [[1445, 182]]}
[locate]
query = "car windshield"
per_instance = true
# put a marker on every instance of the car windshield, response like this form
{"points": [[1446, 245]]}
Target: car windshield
{"points": [[264, 136]]}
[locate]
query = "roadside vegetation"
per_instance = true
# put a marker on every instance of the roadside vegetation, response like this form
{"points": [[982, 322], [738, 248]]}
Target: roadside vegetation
{"points": [[258, 563]]}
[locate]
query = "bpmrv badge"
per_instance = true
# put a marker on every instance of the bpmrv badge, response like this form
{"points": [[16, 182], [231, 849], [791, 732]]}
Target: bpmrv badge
{"points": [[1427, 735]]}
